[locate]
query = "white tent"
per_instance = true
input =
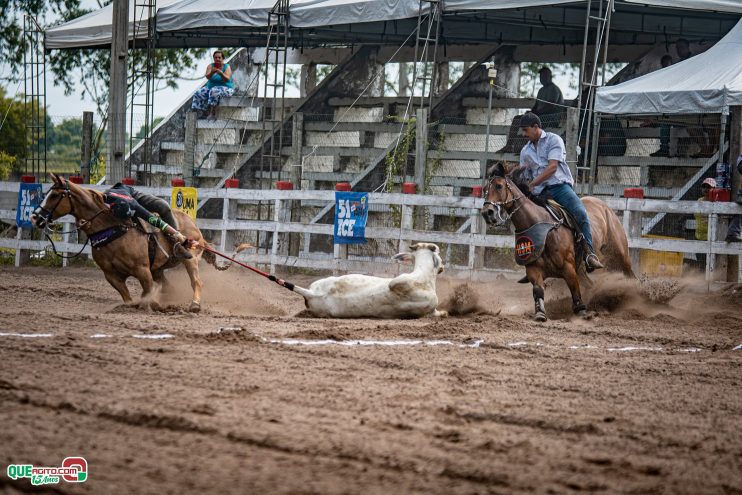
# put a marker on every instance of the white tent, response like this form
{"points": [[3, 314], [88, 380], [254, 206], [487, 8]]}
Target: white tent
{"points": [[313, 13], [707, 83], [199, 14], [207, 17], [94, 29], [731, 6]]}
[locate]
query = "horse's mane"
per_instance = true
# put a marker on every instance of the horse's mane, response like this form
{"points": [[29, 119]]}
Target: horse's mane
{"points": [[520, 178]]}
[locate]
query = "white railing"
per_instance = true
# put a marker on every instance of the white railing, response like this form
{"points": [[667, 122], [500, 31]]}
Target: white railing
{"points": [[463, 207]]}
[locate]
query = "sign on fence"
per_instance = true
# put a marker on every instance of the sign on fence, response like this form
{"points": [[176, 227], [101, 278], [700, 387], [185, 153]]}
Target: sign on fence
{"points": [[185, 199], [29, 198], [351, 214]]}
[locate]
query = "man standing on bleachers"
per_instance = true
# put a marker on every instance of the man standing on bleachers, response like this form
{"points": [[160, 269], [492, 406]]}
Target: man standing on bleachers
{"points": [[549, 107]]}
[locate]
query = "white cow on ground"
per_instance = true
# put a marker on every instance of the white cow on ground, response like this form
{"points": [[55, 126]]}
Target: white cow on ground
{"points": [[410, 295]]}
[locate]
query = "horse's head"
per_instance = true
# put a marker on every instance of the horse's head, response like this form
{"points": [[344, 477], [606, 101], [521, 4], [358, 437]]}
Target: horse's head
{"points": [[500, 195], [57, 203]]}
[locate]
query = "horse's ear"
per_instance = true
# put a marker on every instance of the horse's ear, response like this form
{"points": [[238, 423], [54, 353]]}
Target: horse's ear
{"points": [[55, 177], [509, 167], [492, 168]]}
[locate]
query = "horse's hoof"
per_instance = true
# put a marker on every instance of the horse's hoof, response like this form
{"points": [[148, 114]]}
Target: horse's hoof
{"points": [[195, 307], [585, 315], [540, 317], [155, 306]]}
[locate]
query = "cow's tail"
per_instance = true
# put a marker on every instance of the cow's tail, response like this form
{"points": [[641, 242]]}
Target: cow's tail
{"points": [[305, 293], [211, 257]]}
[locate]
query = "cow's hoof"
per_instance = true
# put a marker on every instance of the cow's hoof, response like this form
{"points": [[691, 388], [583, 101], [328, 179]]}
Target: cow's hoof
{"points": [[540, 317], [195, 307]]}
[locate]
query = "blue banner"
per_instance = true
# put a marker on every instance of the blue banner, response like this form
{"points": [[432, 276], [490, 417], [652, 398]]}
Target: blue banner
{"points": [[29, 198], [351, 214]]}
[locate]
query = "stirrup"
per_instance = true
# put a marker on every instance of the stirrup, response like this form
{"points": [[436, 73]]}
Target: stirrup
{"points": [[592, 262]]}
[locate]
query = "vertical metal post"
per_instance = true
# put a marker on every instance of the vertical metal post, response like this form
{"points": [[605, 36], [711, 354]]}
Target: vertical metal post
{"points": [[86, 152], [189, 148], [594, 154], [34, 79], [117, 92], [483, 161]]}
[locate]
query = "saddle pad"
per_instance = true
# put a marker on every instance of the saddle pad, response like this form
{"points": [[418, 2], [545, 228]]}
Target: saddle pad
{"points": [[530, 243]]}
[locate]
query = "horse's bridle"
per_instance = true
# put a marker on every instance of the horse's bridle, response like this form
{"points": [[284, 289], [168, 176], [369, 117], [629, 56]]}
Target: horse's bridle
{"points": [[46, 215], [503, 204]]}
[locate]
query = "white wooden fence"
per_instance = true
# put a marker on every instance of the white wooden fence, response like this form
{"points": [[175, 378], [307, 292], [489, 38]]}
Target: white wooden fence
{"points": [[715, 249]]}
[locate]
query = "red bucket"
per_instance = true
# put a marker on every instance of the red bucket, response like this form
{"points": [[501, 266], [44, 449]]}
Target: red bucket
{"points": [[476, 191], [409, 188], [232, 183], [284, 185], [28, 179], [76, 179], [343, 186], [177, 182], [129, 181], [633, 192]]}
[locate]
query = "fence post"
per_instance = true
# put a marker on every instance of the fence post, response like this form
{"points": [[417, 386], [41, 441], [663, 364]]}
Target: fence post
{"points": [[87, 146], [340, 253], [710, 238], [189, 148], [296, 173], [18, 236], [281, 215], [229, 209], [571, 131], [421, 158], [406, 223], [635, 232]]}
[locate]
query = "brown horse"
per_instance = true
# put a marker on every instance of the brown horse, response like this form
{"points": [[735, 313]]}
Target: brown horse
{"points": [[506, 200], [131, 254]]}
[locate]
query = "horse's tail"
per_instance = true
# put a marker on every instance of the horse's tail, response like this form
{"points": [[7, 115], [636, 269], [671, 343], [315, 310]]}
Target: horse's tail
{"points": [[210, 257]]}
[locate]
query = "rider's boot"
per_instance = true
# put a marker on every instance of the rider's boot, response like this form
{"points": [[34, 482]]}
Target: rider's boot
{"points": [[179, 243], [592, 262]]}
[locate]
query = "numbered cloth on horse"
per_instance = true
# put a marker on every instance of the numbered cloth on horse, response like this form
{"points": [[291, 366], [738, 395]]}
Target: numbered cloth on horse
{"points": [[530, 243]]}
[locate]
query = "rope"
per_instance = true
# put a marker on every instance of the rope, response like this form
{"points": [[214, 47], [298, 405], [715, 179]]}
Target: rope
{"points": [[12, 101], [272, 278]]}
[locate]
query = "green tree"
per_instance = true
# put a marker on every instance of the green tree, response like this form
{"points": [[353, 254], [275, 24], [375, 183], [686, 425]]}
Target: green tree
{"points": [[86, 68], [13, 143]]}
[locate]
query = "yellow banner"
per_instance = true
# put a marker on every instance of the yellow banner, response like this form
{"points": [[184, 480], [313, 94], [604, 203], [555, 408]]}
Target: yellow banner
{"points": [[185, 199]]}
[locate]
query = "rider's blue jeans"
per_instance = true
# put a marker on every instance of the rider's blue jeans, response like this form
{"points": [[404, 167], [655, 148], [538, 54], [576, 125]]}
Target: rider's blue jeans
{"points": [[566, 196]]}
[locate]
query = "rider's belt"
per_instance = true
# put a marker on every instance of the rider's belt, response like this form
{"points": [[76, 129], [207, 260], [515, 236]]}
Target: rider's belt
{"points": [[530, 243], [119, 195], [100, 239]]}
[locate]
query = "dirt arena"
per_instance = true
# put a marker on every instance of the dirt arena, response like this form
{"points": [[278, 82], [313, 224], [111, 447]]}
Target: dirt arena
{"points": [[644, 398]]}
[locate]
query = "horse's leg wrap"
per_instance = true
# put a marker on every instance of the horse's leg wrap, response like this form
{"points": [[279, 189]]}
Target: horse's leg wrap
{"points": [[578, 306], [538, 298]]}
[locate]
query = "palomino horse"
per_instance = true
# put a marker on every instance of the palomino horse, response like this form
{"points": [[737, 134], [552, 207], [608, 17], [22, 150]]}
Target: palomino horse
{"points": [[123, 249], [506, 200]]}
